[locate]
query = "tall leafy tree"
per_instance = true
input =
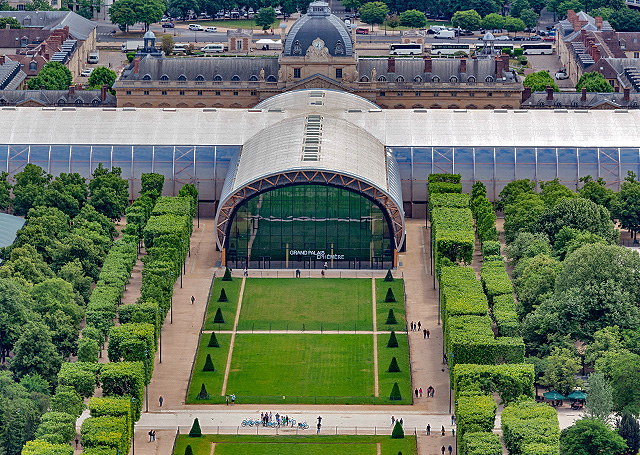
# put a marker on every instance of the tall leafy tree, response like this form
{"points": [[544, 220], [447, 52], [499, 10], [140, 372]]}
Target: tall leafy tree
{"points": [[108, 191], [5, 191], [467, 20], [593, 82], [34, 352], [624, 377], [373, 13], [597, 191], [101, 76], [599, 403], [562, 367], [529, 17], [122, 13], [413, 18], [29, 187], [522, 215], [13, 315], [626, 20], [12, 21], [514, 24], [493, 21], [540, 81], [591, 436], [627, 205], [52, 76], [518, 6], [629, 429], [265, 18]]}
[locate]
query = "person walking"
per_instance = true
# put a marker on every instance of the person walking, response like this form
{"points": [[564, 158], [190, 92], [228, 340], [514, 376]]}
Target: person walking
{"points": [[428, 333], [246, 271], [193, 299], [450, 449], [443, 449], [160, 400], [419, 324], [233, 399], [319, 425], [150, 435], [322, 274], [319, 419], [428, 429], [443, 432], [416, 393], [154, 435], [297, 273], [325, 265], [453, 419], [424, 333], [227, 397], [420, 392], [401, 422], [393, 420]]}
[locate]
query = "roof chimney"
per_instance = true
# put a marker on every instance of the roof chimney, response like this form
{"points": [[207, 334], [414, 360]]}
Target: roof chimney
{"points": [[616, 89], [596, 54], [499, 67], [549, 93], [599, 22], [428, 64], [583, 98], [136, 65], [463, 65], [526, 94], [72, 91], [626, 92], [391, 65], [103, 92]]}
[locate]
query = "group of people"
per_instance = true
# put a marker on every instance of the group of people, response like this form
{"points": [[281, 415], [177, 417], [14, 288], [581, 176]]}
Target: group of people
{"points": [[442, 430], [415, 327], [152, 435], [267, 417], [394, 420]]}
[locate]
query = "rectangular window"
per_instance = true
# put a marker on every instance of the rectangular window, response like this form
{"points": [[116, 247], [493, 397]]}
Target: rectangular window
{"points": [[199, 92], [435, 94], [146, 92], [489, 94], [507, 94], [453, 94], [382, 93], [417, 93], [181, 92], [296, 73], [164, 92], [472, 94], [128, 92], [399, 93], [217, 93], [636, 55], [338, 73], [254, 93], [235, 93]]}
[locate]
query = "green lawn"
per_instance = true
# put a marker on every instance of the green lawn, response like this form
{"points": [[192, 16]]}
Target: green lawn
{"points": [[212, 380], [318, 303], [232, 289], [382, 307], [239, 23], [403, 378], [296, 445], [266, 368]]}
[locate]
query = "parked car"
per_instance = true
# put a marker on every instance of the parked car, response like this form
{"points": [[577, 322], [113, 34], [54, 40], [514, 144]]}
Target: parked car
{"points": [[168, 25], [561, 75], [503, 38], [87, 72], [534, 38], [165, 19], [464, 33], [195, 27], [211, 29], [362, 31], [549, 38]]}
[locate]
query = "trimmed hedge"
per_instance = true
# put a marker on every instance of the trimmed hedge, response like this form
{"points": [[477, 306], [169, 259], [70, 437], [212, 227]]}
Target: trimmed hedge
{"points": [[46, 448], [56, 427], [67, 400], [455, 200], [124, 379], [451, 178], [474, 413], [172, 205], [510, 381], [495, 280], [106, 431], [112, 406], [148, 312], [525, 423], [461, 292], [99, 450], [82, 376], [444, 187], [491, 248], [482, 443], [88, 350], [452, 231], [133, 342], [504, 315]]}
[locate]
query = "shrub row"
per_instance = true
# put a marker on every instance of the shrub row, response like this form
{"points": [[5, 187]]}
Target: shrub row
{"points": [[530, 428], [461, 292], [495, 280], [39, 447], [475, 412], [133, 342], [503, 313], [106, 431], [484, 214], [454, 200], [482, 443], [444, 183], [452, 231], [510, 381]]}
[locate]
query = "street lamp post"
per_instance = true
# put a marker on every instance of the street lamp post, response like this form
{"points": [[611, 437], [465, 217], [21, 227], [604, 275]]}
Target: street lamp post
{"points": [[160, 345], [133, 432], [171, 306], [146, 380], [198, 202], [449, 359]]}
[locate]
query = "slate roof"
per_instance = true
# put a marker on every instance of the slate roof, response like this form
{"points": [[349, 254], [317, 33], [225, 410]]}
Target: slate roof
{"points": [[567, 100], [208, 67], [79, 27], [87, 98], [11, 39], [11, 76]]}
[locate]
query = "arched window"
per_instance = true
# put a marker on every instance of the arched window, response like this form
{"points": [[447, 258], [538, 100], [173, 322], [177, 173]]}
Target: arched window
{"points": [[400, 79], [574, 103], [364, 79], [271, 78], [253, 78], [95, 102], [3, 102], [182, 78], [488, 79], [24, 41], [541, 103], [417, 79], [382, 79], [33, 66], [235, 78], [61, 102], [146, 77], [471, 79], [435, 79], [217, 78], [339, 49], [558, 104], [453, 79], [297, 49], [164, 77], [78, 102], [200, 78]]}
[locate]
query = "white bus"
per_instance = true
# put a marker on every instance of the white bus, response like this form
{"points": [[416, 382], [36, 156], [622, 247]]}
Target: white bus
{"points": [[538, 48], [449, 50], [500, 47], [405, 49]]}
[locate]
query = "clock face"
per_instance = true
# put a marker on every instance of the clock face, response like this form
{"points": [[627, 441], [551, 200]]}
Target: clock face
{"points": [[318, 44]]}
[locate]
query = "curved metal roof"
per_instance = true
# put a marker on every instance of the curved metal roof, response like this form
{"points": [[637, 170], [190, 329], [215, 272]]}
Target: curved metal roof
{"points": [[289, 152], [309, 100]]}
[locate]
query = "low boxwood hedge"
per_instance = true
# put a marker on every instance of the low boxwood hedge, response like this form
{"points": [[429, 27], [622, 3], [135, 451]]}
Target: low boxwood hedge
{"points": [[510, 381], [525, 423]]}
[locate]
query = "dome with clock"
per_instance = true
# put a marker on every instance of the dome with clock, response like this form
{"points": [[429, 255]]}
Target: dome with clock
{"points": [[320, 29]]}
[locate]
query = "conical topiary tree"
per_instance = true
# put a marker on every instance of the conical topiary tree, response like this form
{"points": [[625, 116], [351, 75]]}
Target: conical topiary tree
{"points": [[213, 341], [227, 275], [398, 431], [208, 364], [393, 366], [390, 297], [395, 393], [393, 341], [195, 431], [391, 318], [218, 319], [223, 296], [203, 395], [388, 277], [188, 450]]}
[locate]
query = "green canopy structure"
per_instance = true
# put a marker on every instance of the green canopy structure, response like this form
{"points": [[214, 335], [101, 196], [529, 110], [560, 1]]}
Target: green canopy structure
{"points": [[553, 395], [577, 395]]}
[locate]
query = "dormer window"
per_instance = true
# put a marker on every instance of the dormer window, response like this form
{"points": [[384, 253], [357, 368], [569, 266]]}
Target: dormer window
{"points": [[146, 77], [182, 78], [339, 50], [164, 77], [33, 66], [297, 48], [200, 78]]}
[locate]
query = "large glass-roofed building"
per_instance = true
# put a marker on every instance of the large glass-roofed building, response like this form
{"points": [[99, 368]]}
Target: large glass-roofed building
{"points": [[318, 175]]}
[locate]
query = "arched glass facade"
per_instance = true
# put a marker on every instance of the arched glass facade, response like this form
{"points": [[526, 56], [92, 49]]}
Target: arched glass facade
{"points": [[304, 226]]}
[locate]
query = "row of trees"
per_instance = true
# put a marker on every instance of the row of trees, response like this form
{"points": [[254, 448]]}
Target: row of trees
{"points": [[593, 82], [578, 294], [56, 76]]}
